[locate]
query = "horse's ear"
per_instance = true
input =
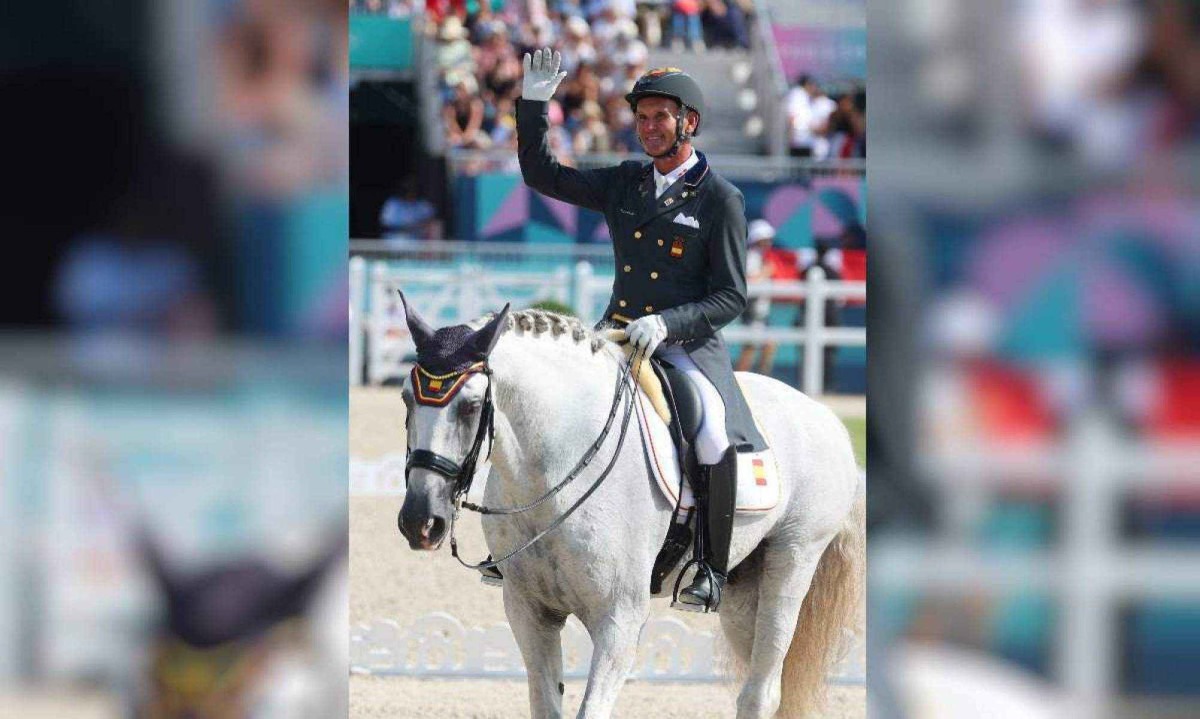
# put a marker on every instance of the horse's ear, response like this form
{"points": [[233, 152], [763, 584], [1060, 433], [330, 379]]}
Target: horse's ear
{"points": [[421, 331], [485, 339]]}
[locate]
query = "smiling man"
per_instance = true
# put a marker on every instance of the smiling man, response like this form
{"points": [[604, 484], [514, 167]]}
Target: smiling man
{"points": [[679, 236]]}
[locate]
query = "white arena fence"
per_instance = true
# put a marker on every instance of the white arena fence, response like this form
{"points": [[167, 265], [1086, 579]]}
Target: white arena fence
{"points": [[455, 282], [439, 645], [1093, 571]]}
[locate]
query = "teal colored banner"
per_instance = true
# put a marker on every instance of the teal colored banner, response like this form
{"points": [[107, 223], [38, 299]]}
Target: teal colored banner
{"points": [[380, 43]]}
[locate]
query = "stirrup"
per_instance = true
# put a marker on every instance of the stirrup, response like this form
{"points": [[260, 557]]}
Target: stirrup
{"points": [[714, 600], [491, 576]]}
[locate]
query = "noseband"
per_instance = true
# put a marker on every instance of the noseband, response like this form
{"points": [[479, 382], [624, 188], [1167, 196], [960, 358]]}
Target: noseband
{"points": [[436, 391]]}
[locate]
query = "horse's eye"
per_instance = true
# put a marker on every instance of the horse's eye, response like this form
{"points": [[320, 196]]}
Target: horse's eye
{"points": [[468, 409]]}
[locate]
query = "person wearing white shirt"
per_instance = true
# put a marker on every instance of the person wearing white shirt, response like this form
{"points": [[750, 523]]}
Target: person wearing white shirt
{"points": [[808, 110]]}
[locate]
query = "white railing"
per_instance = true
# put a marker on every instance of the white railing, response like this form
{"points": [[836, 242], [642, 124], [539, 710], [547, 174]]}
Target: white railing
{"points": [[764, 168], [1092, 571], [457, 293], [439, 645]]}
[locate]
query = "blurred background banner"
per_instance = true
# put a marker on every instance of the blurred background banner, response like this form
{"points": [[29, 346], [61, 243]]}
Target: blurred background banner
{"points": [[172, 360], [1033, 435]]}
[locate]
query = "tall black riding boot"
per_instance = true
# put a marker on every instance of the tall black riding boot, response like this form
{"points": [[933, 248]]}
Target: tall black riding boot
{"points": [[721, 497]]}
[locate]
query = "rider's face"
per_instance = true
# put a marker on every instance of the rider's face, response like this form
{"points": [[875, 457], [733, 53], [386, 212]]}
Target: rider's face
{"points": [[655, 118]]}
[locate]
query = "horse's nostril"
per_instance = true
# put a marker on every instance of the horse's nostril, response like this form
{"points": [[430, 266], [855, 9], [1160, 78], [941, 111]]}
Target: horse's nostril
{"points": [[428, 526]]}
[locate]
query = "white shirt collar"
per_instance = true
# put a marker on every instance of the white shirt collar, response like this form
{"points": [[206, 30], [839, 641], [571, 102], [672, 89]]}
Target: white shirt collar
{"points": [[662, 182]]}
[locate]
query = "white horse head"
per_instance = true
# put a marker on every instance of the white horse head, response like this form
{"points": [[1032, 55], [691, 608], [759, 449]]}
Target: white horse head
{"points": [[445, 399]]}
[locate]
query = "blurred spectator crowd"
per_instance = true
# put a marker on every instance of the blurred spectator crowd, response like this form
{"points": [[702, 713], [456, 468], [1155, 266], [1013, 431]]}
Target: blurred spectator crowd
{"points": [[605, 46]]}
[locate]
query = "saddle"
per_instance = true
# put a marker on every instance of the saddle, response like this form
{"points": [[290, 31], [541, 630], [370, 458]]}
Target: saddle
{"points": [[668, 392], [758, 487]]}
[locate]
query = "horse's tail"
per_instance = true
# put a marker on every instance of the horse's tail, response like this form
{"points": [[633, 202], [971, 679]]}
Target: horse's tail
{"points": [[827, 611]]}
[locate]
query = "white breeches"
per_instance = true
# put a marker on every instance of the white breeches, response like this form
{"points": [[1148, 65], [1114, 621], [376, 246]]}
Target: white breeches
{"points": [[712, 440]]}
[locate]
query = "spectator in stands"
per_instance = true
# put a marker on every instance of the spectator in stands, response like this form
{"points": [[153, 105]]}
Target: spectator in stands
{"points": [[504, 128], [491, 46], [760, 267], [649, 18], [808, 109], [593, 134], [627, 49], [408, 215], [391, 8], [577, 48], [505, 77], [454, 51], [604, 26], [847, 129], [725, 22], [463, 116], [685, 24]]}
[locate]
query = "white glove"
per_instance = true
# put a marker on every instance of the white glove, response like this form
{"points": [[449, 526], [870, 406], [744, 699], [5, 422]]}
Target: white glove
{"points": [[647, 333], [541, 75]]}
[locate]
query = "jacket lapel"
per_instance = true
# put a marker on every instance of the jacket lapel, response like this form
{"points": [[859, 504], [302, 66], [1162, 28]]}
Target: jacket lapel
{"points": [[677, 195]]}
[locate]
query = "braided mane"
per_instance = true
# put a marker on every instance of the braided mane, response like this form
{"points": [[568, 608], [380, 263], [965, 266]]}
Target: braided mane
{"points": [[542, 324]]}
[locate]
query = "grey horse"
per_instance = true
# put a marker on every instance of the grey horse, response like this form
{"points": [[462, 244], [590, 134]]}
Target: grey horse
{"points": [[797, 569]]}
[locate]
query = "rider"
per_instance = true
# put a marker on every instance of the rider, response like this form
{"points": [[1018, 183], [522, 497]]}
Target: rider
{"points": [[679, 236]]}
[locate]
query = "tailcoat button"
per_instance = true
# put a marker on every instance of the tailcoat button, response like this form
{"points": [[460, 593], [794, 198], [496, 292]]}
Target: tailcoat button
{"points": [[660, 243], [637, 235], [622, 303], [628, 268], [649, 308], [654, 275]]}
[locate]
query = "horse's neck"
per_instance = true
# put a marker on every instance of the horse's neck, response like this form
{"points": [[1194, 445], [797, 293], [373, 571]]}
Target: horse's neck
{"points": [[551, 406]]}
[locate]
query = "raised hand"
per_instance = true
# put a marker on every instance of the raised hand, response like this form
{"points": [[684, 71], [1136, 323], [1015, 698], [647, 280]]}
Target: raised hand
{"points": [[541, 75]]}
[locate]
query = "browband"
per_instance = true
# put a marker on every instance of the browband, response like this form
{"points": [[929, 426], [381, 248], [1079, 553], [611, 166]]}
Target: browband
{"points": [[436, 390]]}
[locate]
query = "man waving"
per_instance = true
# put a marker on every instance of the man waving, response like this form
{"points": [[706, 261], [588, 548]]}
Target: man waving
{"points": [[679, 236]]}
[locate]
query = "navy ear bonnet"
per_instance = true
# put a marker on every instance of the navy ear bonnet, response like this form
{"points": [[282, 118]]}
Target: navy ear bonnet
{"points": [[450, 350]]}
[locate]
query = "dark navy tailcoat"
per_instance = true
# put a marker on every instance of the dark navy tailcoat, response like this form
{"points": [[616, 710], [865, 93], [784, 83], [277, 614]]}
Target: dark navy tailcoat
{"points": [[681, 256]]}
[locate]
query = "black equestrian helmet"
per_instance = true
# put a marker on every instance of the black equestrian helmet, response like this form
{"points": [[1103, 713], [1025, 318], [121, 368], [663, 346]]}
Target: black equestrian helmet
{"points": [[669, 82]]}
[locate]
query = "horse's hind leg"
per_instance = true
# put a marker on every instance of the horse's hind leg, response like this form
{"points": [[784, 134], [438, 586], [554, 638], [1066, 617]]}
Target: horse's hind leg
{"points": [[786, 575], [538, 634]]}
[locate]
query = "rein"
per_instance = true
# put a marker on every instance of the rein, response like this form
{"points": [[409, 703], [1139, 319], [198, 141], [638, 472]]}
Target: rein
{"points": [[623, 388]]}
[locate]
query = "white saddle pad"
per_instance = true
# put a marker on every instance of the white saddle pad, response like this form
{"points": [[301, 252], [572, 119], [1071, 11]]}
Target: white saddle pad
{"points": [[758, 472]]}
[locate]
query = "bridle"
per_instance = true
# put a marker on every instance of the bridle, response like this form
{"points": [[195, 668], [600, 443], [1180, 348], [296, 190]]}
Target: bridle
{"points": [[462, 475]]}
